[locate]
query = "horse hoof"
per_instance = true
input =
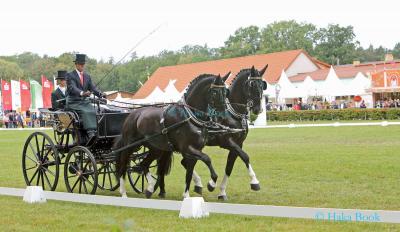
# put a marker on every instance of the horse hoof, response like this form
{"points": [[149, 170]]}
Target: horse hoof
{"points": [[210, 187], [198, 190], [148, 194], [255, 187], [124, 196], [161, 195], [222, 198]]}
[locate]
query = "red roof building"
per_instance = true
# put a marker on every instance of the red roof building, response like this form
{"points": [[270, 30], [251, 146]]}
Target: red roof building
{"points": [[292, 62]]}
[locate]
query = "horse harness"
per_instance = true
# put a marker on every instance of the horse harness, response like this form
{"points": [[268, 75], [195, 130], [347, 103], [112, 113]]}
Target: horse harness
{"points": [[208, 127]]}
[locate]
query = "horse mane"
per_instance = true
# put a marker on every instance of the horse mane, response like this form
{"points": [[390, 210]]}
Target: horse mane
{"points": [[238, 74], [194, 82]]}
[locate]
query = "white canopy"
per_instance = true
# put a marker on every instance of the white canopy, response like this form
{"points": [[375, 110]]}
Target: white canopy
{"points": [[310, 87], [119, 101], [270, 91], [287, 89], [171, 93], [156, 96], [332, 86], [359, 85]]}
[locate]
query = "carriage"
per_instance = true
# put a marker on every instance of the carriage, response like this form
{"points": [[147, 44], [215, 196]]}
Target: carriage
{"points": [[149, 135], [85, 167]]}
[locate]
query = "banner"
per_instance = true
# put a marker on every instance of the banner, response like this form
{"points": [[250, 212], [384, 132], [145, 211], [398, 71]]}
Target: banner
{"points": [[16, 95], [386, 79], [6, 92], [47, 89], [36, 95], [25, 95]]}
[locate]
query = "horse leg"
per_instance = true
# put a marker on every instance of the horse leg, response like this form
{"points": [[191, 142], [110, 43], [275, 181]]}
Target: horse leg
{"points": [[228, 171], [122, 162], [151, 182], [207, 160], [254, 183], [162, 186], [189, 164], [164, 167], [198, 187]]}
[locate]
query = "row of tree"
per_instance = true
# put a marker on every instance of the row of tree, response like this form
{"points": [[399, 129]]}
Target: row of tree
{"points": [[333, 44]]}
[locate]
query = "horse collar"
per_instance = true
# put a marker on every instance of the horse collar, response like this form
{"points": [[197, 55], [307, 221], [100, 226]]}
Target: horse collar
{"points": [[234, 112]]}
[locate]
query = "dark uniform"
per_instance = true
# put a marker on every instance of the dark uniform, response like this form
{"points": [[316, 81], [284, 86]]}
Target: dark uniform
{"points": [[58, 100], [79, 103]]}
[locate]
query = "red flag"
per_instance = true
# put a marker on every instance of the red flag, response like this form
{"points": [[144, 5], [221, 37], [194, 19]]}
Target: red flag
{"points": [[47, 88], [6, 92], [25, 95]]}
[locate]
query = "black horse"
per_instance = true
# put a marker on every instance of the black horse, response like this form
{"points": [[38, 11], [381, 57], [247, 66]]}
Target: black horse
{"points": [[245, 94], [181, 128]]}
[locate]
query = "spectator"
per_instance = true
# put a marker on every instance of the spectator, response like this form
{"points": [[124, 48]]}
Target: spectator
{"points": [[20, 120], [6, 120], [362, 105], [41, 121]]}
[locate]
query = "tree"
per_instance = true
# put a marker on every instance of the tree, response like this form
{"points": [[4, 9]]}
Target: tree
{"points": [[336, 44], [245, 41], [287, 35], [10, 70], [193, 54], [396, 51]]}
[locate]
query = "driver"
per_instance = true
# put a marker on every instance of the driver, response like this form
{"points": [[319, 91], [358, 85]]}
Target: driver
{"points": [[79, 88]]}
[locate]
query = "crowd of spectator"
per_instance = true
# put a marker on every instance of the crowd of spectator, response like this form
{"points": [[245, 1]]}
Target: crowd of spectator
{"points": [[13, 119], [388, 103], [316, 105]]}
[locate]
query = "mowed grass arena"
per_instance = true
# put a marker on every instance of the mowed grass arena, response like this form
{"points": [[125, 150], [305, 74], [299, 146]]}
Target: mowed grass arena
{"points": [[334, 167]]}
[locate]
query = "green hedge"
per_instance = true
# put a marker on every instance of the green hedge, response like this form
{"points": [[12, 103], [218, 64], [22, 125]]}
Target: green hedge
{"points": [[345, 114]]}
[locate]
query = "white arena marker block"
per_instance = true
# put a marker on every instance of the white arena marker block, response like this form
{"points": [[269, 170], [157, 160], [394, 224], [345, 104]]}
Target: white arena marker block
{"points": [[385, 123], [34, 194], [291, 125], [193, 207]]}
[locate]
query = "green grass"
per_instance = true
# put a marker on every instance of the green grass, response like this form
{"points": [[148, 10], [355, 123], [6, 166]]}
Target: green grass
{"points": [[338, 167]]}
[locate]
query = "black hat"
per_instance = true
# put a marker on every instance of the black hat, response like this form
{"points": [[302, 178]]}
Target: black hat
{"points": [[80, 58], [61, 74]]}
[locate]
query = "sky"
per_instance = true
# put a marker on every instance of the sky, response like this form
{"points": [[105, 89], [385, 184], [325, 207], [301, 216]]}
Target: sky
{"points": [[103, 29]]}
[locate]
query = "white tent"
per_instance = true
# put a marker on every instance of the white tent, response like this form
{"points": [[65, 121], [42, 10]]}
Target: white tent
{"points": [[359, 85], [332, 86], [287, 89], [171, 93], [156, 96], [119, 101], [270, 91], [310, 87]]}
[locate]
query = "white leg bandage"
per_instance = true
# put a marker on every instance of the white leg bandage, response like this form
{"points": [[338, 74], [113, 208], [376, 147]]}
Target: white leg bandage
{"points": [[122, 188], [253, 176], [196, 179]]}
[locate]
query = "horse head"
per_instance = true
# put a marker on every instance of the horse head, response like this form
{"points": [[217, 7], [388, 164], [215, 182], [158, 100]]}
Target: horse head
{"points": [[207, 93], [248, 86]]}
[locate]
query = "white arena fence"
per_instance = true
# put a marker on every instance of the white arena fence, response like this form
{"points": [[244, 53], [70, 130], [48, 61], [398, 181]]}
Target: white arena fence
{"points": [[329, 214]]}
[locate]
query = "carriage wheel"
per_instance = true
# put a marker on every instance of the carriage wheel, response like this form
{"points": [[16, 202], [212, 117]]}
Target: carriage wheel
{"points": [[80, 171], [40, 161], [136, 175], [106, 176]]}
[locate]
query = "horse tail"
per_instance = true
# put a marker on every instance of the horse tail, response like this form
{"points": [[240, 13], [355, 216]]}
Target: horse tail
{"points": [[165, 163], [118, 143]]}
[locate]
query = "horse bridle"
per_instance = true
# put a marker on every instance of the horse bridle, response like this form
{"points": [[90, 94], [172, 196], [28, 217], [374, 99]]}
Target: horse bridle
{"points": [[249, 102]]}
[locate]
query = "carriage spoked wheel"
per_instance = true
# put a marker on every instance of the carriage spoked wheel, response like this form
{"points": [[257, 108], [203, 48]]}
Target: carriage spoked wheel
{"points": [[40, 161], [106, 175], [80, 171], [136, 175]]}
